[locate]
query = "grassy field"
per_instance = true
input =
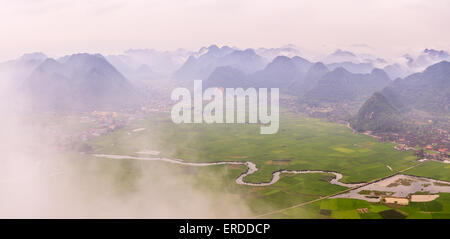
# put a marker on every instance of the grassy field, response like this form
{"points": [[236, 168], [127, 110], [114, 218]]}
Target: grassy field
{"points": [[126, 174], [303, 143], [431, 169], [339, 208], [439, 208], [343, 208], [290, 190]]}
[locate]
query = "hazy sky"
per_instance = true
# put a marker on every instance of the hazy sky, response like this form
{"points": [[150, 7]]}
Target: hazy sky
{"points": [[59, 27]]}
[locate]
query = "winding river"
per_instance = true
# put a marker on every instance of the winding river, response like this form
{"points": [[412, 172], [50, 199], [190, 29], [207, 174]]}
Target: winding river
{"points": [[398, 185], [251, 169]]}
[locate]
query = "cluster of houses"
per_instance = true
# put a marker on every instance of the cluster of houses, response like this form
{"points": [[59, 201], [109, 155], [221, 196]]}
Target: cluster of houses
{"points": [[97, 123], [430, 144], [434, 139], [427, 152], [432, 155], [102, 122]]}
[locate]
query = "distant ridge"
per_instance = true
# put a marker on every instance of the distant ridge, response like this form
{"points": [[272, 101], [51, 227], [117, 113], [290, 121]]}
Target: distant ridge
{"points": [[341, 85], [81, 82], [428, 91], [200, 67]]}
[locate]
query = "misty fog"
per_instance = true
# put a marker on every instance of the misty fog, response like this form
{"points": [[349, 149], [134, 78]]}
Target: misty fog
{"points": [[37, 180]]}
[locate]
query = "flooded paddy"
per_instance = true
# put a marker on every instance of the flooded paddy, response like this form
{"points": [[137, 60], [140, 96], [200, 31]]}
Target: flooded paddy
{"points": [[401, 186]]}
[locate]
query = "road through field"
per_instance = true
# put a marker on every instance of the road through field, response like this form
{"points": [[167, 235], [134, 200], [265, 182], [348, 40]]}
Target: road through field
{"points": [[251, 168], [334, 194]]}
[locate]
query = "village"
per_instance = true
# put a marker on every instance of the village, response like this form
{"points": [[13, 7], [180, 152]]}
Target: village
{"points": [[428, 143], [97, 123]]}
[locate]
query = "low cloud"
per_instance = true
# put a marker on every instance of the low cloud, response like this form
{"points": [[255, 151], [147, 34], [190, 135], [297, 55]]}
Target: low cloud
{"points": [[39, 181]]}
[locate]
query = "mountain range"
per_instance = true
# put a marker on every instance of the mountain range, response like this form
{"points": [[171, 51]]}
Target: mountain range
{"points": [[22, 67], [312, 82], [428, 91], [341, 85], [200, 67], [90, 81], [80, 82]]}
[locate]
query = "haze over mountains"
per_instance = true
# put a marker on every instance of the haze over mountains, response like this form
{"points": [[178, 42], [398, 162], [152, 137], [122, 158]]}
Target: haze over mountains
{"points": [[135, 62], [200, 67], [86, 81], [280, 73], [428, 91], [22, 67], [341, 85], [310, 79], [81, 81]]}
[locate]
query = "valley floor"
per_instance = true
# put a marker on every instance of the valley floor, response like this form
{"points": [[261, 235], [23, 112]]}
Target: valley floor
{"points": [[304, 171]]}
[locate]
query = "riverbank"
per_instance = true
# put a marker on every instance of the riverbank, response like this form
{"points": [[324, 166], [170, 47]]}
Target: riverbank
{"points": [[251, 169]]}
